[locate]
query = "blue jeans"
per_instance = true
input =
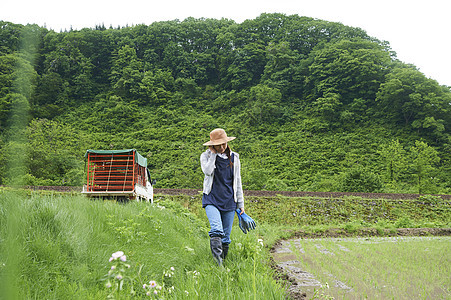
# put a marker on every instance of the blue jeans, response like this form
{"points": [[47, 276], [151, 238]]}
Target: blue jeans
{"points": [[220, 223]]}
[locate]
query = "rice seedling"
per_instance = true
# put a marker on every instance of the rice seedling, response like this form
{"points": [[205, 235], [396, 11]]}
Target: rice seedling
{"points": [[381, 268]]}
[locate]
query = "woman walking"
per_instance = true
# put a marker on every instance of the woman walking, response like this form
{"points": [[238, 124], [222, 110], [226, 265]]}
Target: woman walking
{"points": [[222, 191]]}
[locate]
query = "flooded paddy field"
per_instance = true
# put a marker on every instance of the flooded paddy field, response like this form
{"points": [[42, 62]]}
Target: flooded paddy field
{"points": [[366, 268]]}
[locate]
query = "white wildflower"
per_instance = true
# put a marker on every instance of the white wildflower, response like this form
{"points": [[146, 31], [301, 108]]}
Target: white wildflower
{"points": [[152, 283], [116, 255]]}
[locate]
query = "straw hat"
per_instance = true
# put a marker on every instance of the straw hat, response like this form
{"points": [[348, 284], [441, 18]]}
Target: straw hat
{"points": [[218, 136]]}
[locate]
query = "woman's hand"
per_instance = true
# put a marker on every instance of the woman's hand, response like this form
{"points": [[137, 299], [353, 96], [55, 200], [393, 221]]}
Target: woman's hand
{"points": [[241, 211]]}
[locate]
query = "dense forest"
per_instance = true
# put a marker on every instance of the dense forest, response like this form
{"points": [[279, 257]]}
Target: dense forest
{"points": [[315, 105]]}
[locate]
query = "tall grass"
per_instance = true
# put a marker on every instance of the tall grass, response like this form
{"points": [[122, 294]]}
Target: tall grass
{"points": [[58, 247]]}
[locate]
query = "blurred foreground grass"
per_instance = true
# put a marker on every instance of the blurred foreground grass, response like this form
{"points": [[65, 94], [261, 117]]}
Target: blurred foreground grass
{"points": [[56, 246]]}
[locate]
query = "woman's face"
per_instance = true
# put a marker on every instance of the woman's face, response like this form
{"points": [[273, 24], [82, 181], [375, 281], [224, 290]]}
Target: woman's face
{"points": [[220, 148]]}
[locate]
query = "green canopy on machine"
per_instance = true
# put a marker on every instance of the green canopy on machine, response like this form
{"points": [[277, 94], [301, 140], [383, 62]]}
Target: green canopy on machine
{"points": [[141, 160]]}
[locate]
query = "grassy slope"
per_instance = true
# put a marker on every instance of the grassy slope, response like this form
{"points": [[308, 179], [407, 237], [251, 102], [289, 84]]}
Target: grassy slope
{"points": [[57, 247], [348, 213]]}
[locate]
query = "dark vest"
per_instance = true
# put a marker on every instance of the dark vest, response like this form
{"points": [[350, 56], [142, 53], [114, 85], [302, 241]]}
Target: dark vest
{"points": [[221, 194]]}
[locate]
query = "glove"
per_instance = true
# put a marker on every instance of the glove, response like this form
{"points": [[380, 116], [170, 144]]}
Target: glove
{"points": [[246, 223], [241, 223], [250, 224]]}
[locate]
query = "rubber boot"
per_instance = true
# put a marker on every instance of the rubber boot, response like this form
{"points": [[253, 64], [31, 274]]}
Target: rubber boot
{"points": [[216, 249], [225, 250]]}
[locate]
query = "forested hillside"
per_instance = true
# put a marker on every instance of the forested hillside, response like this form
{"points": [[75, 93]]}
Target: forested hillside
{"points": [[315, 105]]}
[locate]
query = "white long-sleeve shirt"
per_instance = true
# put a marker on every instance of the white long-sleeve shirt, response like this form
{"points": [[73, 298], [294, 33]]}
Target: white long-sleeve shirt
{"points": [[207, 163]]}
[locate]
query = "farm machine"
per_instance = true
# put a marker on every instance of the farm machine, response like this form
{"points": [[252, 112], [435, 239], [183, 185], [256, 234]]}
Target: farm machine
{"points": [[119, 174]]}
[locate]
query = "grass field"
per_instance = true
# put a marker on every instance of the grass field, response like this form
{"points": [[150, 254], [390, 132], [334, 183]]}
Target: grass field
{"points": [[59, 246]]}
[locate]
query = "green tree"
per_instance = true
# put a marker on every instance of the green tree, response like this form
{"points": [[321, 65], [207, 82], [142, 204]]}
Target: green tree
{"points": [[53, 153], [17, 75], [111, 114], [246, 67], [394, 157], [409, 98], [284, 70], [49, 99], [126, 73], [353, 69], [9, 37], [327, 106], [304, 34], [424, 160], [157, 87], [263, 105], [65, 75]]}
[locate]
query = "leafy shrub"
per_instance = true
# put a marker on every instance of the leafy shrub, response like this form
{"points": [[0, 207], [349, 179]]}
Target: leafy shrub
{"points": [[353, 226], [254, 179], [360, 179], [404, 222], [276, 185], [429, 199]]}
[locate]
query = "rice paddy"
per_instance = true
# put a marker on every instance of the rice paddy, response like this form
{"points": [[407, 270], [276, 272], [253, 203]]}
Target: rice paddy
{"points": [[369, 268]]}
